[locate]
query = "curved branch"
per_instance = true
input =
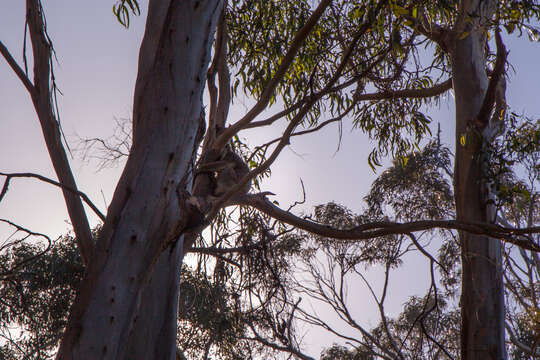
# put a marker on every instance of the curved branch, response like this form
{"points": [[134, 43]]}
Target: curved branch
{"points": [[85, 198], [382, 228], [431, 30], [425, 252]]}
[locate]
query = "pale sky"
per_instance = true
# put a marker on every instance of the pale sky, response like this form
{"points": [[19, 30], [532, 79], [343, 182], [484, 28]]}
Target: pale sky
{"points": [[96, 74]]}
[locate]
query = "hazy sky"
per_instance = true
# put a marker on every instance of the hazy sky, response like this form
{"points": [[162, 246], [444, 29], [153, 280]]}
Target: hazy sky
{"points": [[96, 74]]}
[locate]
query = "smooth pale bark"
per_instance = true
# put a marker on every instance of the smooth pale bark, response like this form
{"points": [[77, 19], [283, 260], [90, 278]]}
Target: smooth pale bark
{"points": [[482, 302], [125, 308], [154, 333]]}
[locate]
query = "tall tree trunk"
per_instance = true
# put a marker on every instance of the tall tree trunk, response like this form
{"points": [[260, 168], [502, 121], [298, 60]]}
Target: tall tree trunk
{"points": [[159, 307], [125, 309], [482, 302]]}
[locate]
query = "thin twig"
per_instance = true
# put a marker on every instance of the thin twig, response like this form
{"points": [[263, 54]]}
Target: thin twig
{"points": [[85, 198]]}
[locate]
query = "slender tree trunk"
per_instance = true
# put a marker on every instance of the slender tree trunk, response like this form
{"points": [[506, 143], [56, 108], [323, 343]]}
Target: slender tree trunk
{"points": [[125, 309], [42, 98], [482, 302]]}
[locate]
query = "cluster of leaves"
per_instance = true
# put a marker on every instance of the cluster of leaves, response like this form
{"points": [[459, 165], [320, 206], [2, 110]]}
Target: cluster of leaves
{"points": [[416, 187], [343, 353], [123, 10], [35, 299], [208, 314], [516, 152], [519, 15], [261, 32]]}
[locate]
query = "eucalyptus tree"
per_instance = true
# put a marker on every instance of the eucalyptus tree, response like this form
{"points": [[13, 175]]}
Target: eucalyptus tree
{"points": [[339, 59], [457, 36]]}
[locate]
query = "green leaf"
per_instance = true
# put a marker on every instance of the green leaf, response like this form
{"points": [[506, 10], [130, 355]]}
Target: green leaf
{"points": [[404, 161], [399, 10], [514, 14], [510, 27]]}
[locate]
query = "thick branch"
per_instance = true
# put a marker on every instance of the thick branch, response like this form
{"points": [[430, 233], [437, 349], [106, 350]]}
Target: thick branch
{"points": [[377, 229], [224, 99], [42, 99], [218, 62]]}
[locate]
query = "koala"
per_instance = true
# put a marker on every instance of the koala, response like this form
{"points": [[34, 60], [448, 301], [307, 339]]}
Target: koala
{"points": [[226, 171], [235, 169]]}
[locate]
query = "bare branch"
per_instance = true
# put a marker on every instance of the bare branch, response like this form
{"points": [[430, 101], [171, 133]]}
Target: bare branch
{"points": [[85, 197], [377, 229], [279, 115], [17, 69], [425, 252], [289, 348]]}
